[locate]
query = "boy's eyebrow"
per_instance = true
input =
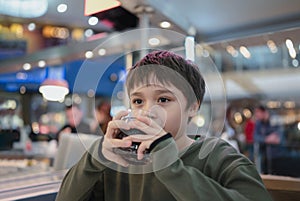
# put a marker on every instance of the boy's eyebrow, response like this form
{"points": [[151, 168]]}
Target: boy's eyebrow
{"points": [[160, 91]]}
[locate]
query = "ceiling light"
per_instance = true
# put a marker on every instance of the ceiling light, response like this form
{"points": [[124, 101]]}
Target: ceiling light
{"points": [[238, 118], [61, 8], [91, 93], [54, 90], [88, 33], [17, 29], [42, 63], [272, 46], [289, 104], [89, 54], [273, 104], [247, 113], [26, 66], [165, 24], [198, 120], [231, 50], [55, 32], [292, 53], [154, 41], [245, 52], [93, 21], [295, 62], [31, 26], [102, 52], [22, 90], [190, 48], [77, 34], [289, 43]]}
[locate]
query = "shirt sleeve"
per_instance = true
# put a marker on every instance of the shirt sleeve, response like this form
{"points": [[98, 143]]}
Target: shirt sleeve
{"points": [[79, 182], [226, 176]]}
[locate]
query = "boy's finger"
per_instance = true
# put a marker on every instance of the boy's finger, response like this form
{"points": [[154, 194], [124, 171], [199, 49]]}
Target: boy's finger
{"points": [[140, 138], [113, 143], [141, 150], [114, 126]]}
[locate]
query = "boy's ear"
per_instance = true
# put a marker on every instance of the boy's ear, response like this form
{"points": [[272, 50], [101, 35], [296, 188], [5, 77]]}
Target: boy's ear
{"points": [[194, 109]]}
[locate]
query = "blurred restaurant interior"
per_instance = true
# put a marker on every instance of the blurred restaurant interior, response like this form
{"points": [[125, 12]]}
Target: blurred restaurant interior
{"points": [[247, 51]]}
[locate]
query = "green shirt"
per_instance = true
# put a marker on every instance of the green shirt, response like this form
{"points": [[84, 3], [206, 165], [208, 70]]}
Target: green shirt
{"points": [[210, 169]]}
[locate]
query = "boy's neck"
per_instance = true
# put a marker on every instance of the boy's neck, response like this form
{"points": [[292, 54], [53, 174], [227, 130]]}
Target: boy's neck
{"points": [[183, 142]]}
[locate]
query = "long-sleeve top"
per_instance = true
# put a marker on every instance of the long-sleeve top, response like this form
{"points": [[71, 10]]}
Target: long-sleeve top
{"points": [[210, 169]]}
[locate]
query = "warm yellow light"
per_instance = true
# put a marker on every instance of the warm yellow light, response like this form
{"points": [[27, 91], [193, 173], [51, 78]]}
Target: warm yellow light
{"points": [[199, 120], [231, 50], [238, 118], [55, 32], [245, 52], [17, 29], [247, 113], [77, 34]]}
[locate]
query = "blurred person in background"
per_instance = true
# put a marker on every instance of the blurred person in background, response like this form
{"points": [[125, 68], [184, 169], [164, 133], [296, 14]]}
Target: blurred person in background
{"points": [[229, 133], [75, 122], [267, 138], [249, 132], [103, 116]]}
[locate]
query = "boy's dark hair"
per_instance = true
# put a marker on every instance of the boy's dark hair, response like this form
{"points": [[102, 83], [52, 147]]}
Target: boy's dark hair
{"points": [[181, 73]]}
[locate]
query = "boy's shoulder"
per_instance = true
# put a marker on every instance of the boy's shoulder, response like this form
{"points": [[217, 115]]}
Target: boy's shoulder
{"points": [[214, 156], [213, 147], [211, 142]]}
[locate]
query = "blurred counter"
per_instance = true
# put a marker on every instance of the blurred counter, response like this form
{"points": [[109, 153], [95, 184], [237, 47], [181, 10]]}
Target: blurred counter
{"points": [[282, 187], [31, 185]]}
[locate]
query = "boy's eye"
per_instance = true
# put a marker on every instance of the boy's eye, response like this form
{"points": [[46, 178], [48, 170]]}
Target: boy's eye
{"points": [[163, 100], [137, 101]]}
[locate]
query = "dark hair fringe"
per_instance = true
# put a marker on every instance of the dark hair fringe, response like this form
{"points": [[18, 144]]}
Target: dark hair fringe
{"points": [[183, 74]]}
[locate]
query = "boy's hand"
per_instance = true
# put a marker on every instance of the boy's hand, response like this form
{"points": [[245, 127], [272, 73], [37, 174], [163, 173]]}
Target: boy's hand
{"points": [[110, 141], [152, 129]]}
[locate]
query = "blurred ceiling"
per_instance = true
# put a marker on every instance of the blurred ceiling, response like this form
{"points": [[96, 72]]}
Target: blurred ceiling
{"points": [[211, 21]]}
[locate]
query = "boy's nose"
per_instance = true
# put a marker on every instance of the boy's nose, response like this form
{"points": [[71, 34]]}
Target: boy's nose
{"points": [[148, 106]]}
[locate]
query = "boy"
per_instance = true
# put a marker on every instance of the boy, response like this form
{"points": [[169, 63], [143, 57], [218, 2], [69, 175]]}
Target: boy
{"points": [[171, 89]]}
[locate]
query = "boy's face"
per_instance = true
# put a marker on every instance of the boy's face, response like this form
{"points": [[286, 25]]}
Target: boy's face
{"points": [[167, 102]]}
